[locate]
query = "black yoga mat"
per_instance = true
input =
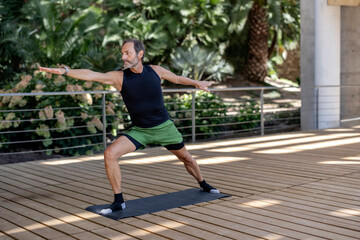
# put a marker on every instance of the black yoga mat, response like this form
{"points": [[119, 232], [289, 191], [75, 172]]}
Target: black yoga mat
{"points": [[159, 203]]}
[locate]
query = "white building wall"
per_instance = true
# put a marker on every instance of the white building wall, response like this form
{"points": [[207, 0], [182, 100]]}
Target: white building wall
{"points": [[327, 63]]}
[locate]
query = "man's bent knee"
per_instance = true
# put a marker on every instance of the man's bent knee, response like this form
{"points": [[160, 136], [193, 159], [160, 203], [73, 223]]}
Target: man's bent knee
{"points": [[187, 159], [118, 148], [110, 155]]}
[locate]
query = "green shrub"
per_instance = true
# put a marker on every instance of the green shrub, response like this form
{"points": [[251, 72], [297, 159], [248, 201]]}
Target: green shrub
{"points": [[64, 124], [211, 115], [74, 119], [249, 115]]}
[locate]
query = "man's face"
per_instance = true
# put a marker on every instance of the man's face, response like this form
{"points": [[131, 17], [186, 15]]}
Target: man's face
{"points": [[129, 56]]}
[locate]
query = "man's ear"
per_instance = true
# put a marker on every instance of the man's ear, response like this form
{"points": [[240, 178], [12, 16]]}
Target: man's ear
{"points": [[141, 54]]}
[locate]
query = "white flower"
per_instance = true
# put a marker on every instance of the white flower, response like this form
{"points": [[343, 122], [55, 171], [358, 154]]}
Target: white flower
{"points": [[49, 112], [59, 79], [87, 98], [25, 79], [96, 121], [84, 116], [42, 115], [88, 84]]}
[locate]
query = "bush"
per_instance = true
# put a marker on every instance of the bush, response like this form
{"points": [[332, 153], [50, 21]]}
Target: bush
{"points": [[57, 121], [72, 125], [212, 114]]}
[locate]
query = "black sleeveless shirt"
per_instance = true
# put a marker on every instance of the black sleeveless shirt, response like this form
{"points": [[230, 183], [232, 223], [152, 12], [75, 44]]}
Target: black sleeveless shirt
{"points": [[143, 98]]}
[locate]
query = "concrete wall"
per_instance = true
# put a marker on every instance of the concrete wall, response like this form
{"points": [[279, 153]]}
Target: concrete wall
{"points": [[307, 64], [320, 64], [350, 63], [327, 63]]}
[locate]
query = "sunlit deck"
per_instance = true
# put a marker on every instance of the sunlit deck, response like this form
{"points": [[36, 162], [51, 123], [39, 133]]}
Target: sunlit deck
{"points": [[303, 185]]}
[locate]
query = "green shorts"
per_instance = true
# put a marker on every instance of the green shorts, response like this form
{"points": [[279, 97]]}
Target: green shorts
{"points": [[165, 134]]}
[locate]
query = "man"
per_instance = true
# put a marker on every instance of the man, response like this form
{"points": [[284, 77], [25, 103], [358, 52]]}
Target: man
{"points": [[140, 86]]}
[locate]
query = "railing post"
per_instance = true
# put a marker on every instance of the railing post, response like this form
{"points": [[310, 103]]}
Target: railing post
{"points": [[104, 120], [193, 127], [262, 120]]}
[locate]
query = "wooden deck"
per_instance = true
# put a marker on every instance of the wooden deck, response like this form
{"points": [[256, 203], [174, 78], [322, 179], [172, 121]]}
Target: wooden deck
{"points": [[303, 185]]}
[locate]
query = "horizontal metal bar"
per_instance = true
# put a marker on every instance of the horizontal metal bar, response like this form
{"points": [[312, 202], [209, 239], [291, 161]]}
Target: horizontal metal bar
{"points": [[281, 119], [329, 86], [39, 109], [350, 119], [50, 129], [228, 116], [112, 115], [52, 139], [164, 90], [32, 94], [181, 119], [225, 132], [210, 109], [231, 102], [187, 135], [109, 133], [227, 124], [39, 119], [180, 111], [54, 149], [184, 127], [269, 128], [173, 103]]}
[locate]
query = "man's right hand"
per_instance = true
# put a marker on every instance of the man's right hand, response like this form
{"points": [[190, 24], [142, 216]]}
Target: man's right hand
{"points": [[114, 78], [59, 71]]}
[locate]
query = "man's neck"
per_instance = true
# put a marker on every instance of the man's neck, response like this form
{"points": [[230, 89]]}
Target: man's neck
{"points": [[138, 68]]}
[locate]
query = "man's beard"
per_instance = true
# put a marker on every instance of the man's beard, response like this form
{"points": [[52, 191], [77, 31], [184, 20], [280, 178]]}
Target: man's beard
{"points": [[131, 64]]}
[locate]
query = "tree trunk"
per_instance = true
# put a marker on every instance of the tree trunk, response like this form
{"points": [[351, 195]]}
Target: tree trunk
{"points": [[256, 64]]}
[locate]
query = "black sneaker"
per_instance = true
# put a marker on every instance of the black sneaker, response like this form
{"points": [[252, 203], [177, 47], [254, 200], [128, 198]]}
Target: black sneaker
{"points": [[204, 186], [112, 208]]}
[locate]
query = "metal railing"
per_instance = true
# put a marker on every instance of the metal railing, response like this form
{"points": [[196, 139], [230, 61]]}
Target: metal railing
{"points": [[228, 116], [338, 101]]}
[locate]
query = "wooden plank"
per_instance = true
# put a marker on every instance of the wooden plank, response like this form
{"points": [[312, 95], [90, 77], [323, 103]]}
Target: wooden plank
{"points": [[52, 198], [93, 236], [86, 225], [333, 231], [41, 217], [240, 225], [30, 225], [298, 231], [323, 208], [303, 212], [161, 230], [184, 227], [216, 230], [3, 236], [16, 231], [110, 233]]}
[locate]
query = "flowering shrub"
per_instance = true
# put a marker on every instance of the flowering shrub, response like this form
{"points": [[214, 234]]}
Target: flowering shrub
{"points": [[72, 124], [66, 124]]}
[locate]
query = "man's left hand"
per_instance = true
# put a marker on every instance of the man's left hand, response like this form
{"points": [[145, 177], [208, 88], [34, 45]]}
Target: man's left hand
{"points": [[203, 85]]}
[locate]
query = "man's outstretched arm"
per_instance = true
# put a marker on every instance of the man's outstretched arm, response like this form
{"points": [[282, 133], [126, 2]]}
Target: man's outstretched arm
{"points": [[110, 78], [170, 76]]}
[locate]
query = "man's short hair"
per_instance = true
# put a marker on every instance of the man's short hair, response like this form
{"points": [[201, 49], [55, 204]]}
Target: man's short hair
{"points": [[138, 46]]}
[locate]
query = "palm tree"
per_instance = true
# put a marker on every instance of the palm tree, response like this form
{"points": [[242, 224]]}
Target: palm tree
{"points": [[256, 66], [265, 26]]}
